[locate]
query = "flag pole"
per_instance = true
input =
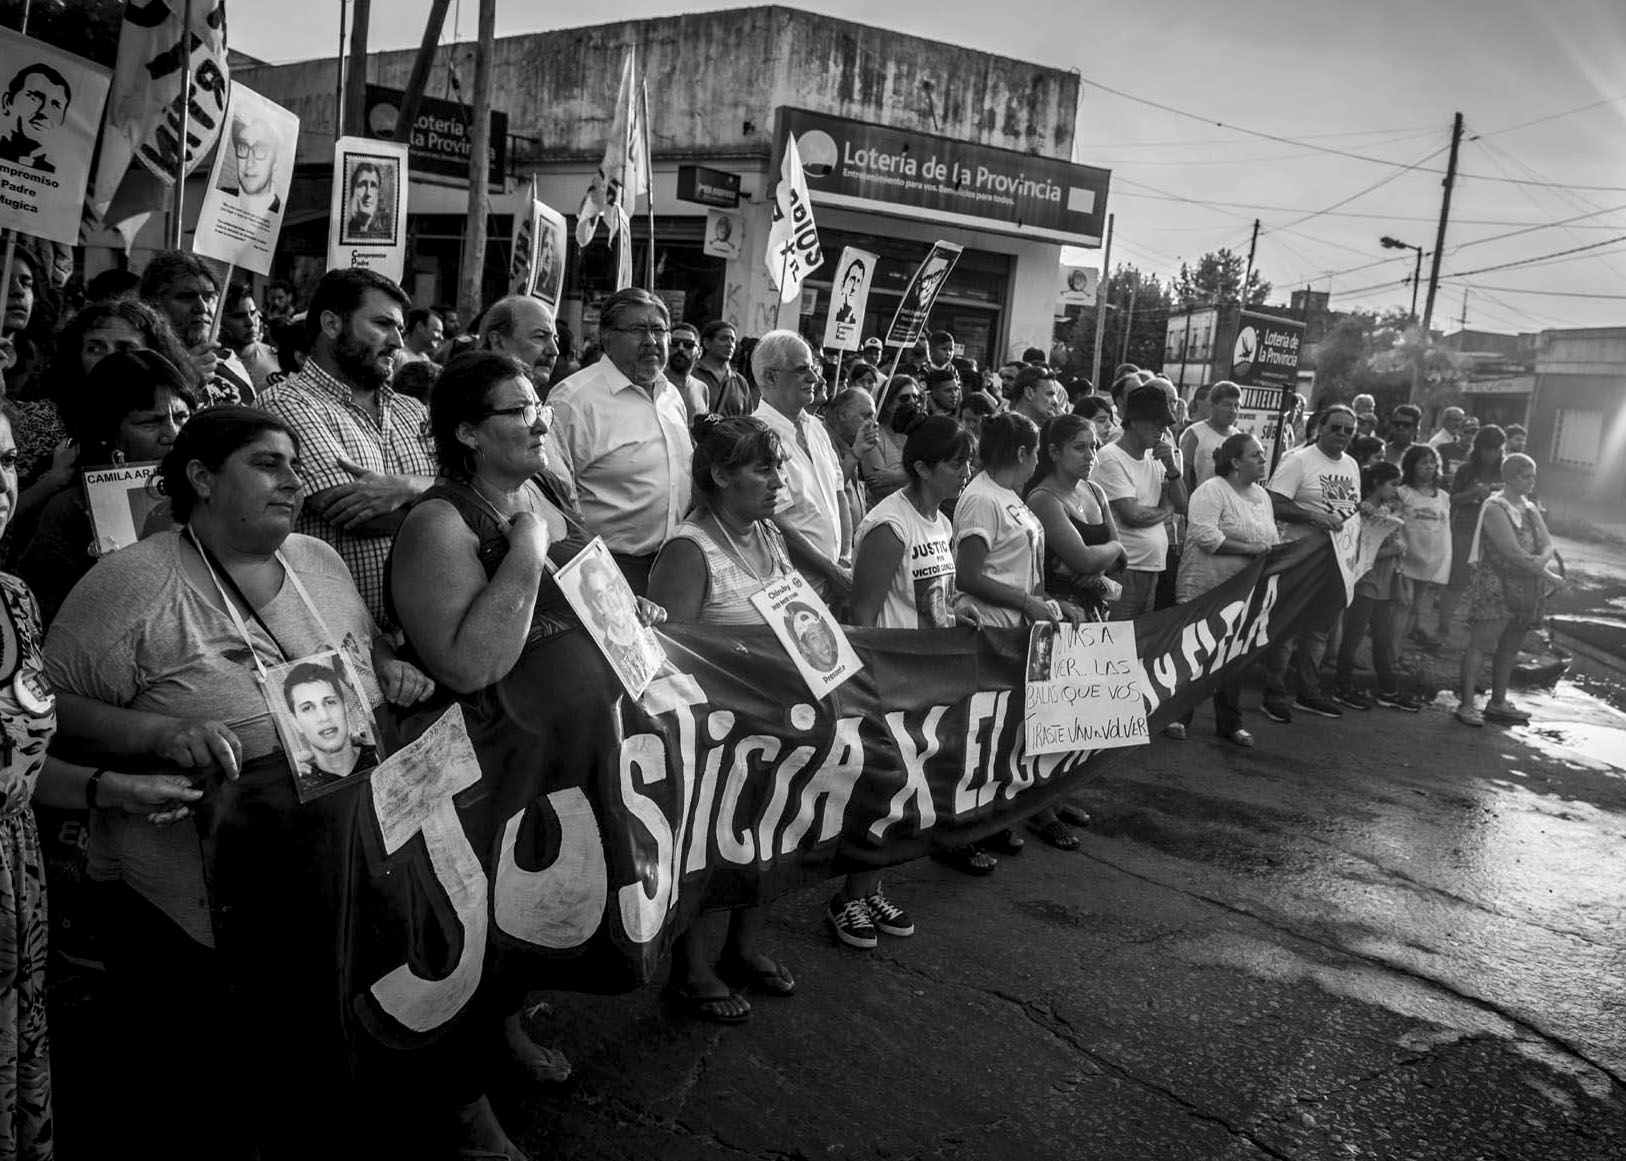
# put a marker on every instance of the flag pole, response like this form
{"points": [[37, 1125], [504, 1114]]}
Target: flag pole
{"points": [[178, 200], [220, 308], [649, 176], [11, 235]]}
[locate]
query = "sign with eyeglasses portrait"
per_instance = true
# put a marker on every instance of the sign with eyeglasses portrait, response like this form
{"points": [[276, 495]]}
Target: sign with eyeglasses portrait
{"points": [[367, 219], [241, 215]]}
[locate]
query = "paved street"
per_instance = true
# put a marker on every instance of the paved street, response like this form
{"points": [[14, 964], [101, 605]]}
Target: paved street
{"points": [[1386, 936]]}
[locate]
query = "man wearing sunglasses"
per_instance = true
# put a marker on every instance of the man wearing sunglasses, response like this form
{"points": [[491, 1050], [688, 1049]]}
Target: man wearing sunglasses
{"points": [[1315, 489], [680, 361]]}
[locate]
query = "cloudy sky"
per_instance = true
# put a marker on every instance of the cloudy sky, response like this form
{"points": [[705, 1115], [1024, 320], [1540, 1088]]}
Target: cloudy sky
{"points": [[1328, 120]]}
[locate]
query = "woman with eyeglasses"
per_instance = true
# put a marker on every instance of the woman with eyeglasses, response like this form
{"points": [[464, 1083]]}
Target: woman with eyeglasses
{"points": [[470, 580], [730, 393], [882, 466]]}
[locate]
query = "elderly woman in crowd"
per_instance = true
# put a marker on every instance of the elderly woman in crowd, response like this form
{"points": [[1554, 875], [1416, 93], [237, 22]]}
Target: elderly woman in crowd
{"points": [[470, 579], [882, 466], [135, 404], [1508, 584], [158, 657], [725, 553], [1471, 485], [1229, 522]]}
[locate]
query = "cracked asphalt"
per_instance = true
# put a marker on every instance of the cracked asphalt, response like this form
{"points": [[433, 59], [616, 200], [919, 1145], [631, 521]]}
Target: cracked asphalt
{"points": [[1381, 937]]}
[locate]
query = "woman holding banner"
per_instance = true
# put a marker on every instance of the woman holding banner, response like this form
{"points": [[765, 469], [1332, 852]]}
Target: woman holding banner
{"points": [[725, 553], [1229, 523], [470, 579], [159, 659], [135, 403], [999, 554]]}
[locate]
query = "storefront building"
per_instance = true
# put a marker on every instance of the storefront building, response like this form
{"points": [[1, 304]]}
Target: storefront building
{"points": [[725, 89]]}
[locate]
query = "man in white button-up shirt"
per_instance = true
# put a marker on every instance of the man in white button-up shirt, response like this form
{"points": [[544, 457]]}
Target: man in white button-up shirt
{"points": [[813, 507], [621, 434]]}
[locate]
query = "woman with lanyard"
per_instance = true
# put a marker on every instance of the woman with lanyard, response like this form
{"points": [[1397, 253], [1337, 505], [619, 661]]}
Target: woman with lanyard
{"points": [[903, 578], [728, 391], [999, 553], [470, 579], [1507, 588], [725, 553], [158, 657], [882, 465]]}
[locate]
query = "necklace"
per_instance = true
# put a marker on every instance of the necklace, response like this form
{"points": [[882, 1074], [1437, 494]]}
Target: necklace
{"points": [[737, 550]]}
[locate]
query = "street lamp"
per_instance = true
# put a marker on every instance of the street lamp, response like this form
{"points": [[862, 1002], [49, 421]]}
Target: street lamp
{"points": [[1389, 243]]}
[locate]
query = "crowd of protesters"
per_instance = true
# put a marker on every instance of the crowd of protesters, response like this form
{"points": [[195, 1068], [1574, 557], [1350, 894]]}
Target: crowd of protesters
{"points": [[356, 474]]}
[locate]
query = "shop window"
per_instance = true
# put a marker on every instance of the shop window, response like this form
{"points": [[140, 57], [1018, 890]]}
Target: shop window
{"points": [[1577, 438]]}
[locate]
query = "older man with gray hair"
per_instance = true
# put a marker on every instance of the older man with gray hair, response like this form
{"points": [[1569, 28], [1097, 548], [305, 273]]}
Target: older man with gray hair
{"points": [[522, 328], [621, 435], [812, 513]]}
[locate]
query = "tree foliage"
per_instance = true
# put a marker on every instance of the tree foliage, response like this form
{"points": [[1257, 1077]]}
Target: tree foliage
{"points": [[1217, 279], [1380, 355], [1152, 303]]}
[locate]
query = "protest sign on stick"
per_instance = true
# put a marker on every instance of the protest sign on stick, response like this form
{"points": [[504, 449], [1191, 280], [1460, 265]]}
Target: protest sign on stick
{"points": [[367, 220], [848, 298], [242, 211], [1084, 688], [50, 108]]}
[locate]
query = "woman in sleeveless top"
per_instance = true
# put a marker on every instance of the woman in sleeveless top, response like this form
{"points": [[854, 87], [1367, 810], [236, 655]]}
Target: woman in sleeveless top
{"points": [[470, 581], [725, 553], [1081, 538]]}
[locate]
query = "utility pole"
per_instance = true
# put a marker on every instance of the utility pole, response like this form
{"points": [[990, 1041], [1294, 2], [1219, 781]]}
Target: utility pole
{"points": [[1101, 303], [419, 77], [472, 269], [1445, 215], [355, 81], [1462, 324], [338, 81], [1129, 325], [1247, 275]]}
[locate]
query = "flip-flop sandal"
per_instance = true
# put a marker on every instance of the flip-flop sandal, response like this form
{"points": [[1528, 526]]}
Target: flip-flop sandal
{"points": [[770, 981], [713, 1009], [1074, 813], [1054, 833], [967, 859], [1005, 842]]}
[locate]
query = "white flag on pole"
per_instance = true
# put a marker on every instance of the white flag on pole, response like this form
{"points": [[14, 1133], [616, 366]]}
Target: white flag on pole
{"points": [[624, 172], [793, 241]]}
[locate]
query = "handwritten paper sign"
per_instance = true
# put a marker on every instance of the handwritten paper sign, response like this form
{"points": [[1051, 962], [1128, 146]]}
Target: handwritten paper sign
{"points": [[1356, 545], [811, 636], [120, 500], [1083, 688]]}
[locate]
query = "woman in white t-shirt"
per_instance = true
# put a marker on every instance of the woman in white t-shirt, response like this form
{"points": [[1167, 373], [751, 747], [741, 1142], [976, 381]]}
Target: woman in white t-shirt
{"points": [[999, 555], [903, 578]]}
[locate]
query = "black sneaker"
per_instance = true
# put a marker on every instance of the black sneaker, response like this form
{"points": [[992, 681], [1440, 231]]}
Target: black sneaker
{"points": [[851, 923], [1277, 711], [1318, 704], [1399, 701], [1352, 697], [887, 916]]}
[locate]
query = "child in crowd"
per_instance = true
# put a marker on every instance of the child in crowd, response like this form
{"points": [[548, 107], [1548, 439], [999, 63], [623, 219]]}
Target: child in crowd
{"points": [[1426, 565], [1373, 596]]}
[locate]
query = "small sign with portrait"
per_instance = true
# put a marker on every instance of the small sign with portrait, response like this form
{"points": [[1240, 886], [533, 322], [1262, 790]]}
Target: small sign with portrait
{"points": [[241, 214], [812, 637], [595, 588], [367, 218], [122, 500], [324, 721]]}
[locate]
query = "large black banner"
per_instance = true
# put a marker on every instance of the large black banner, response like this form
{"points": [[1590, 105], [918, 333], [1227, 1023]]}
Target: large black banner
{"points": [[585, 830]]}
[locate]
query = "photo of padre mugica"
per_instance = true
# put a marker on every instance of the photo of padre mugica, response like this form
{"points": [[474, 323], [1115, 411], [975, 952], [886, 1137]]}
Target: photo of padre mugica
{"points": [[32, 111], [373, 184]]}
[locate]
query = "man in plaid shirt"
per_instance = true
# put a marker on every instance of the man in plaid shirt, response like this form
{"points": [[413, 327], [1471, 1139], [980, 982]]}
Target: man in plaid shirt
{"points": [[364, 450]]}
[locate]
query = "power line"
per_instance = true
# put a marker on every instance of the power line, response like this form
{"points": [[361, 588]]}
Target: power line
{"points": [[1304, 144], [1339, 214], [1547, 293], [1540, 258], [1554, 116]]}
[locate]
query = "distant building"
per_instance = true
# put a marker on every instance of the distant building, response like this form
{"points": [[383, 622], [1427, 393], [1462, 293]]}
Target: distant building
{"points": [[1499, 374], [1578, 414], [1198, 343]]}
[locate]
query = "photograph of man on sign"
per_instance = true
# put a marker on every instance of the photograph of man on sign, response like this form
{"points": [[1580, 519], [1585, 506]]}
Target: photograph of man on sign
{"points": [[370, 209], [32, 109], [326, 735], [852, 281], [255, 146]]}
